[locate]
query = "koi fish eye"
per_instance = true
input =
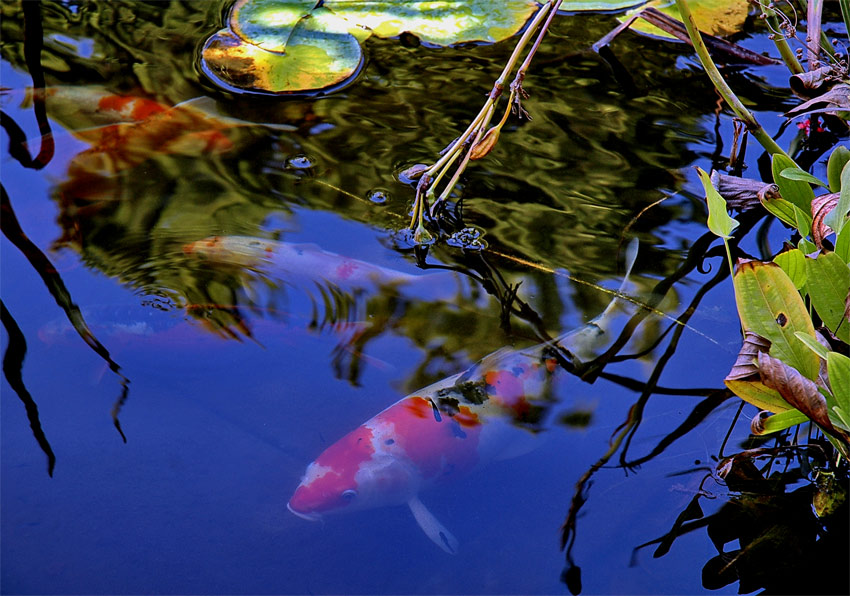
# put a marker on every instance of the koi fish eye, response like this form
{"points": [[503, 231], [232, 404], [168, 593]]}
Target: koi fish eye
{"points": [[348, 495]]}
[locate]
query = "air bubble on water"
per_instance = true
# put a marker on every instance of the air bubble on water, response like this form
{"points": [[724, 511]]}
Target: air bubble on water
{"points": [[300, 162], [378, 196]]}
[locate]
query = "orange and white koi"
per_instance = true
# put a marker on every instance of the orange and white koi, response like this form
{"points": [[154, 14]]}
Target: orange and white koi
{"points": [[270, 257], [439, 433]]}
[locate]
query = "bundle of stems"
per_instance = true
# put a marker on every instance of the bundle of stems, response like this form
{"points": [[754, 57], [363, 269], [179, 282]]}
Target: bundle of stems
{"points": [[479, 138]]}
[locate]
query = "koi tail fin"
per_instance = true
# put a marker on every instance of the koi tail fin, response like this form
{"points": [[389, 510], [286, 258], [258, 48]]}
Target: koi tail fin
{"points": [[631, 257], [583, 342], [432, 527]]}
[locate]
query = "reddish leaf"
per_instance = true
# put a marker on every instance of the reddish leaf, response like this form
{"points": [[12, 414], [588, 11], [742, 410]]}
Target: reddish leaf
{"points": [[745, 365], [821, 207], [485, 145], [796, 389]]}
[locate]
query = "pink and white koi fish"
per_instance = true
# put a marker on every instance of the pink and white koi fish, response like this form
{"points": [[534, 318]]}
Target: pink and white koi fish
{"points": [[295, 260], [439, 433]]}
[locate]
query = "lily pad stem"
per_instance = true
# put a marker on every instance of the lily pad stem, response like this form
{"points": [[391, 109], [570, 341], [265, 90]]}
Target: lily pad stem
{"points": [[722, 87]]}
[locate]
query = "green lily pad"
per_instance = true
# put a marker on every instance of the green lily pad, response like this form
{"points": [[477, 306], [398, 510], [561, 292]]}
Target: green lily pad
{"points": [[438, 23], [298, 46], [715, 17], [319, 52]]}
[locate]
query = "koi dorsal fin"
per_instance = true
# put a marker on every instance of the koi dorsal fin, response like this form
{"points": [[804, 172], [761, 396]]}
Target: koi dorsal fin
{"points": [[432, 527]]}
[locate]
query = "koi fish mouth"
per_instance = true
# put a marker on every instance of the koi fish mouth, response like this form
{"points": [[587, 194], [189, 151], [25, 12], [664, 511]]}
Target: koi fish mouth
{"points": [[308, 516]]}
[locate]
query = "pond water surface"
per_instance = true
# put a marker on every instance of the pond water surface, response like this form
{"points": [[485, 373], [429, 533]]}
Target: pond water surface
{"points": [[235, 380]]}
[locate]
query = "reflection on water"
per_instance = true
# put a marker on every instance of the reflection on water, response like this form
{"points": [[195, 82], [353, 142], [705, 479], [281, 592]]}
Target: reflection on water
{"points": [[245, 366]]}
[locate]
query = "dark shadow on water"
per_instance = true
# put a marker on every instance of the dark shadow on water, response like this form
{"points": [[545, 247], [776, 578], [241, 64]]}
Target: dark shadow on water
{"points": [[13, 364]]}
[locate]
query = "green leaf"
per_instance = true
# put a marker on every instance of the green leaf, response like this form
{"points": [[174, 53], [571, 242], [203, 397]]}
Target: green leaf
{"points": [[813, 344], [798, 174], [797, 192], [789, 214], [806, 246], [769, 305], [759, 395], [719, 221], [837, 218], [793, 263], [781, 421], [828, 283], [842, 244], [837, 160], [841, 418], [838, 369]]}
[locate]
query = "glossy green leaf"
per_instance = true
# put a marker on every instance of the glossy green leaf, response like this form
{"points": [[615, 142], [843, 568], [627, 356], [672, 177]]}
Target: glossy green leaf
{"points": [[782, 210], [781, 421], [828, 285], [719, 221], [837, 160], [793, 263], [798, 174], [806, 246], [795, 191], [769, 305], [842, 244], [837, 218], [715, 17], [813, 344], [838, 368], [759, 395]]}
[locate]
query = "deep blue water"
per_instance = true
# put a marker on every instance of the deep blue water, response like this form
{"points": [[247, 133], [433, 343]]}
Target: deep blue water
{"points": [[219, 431]]}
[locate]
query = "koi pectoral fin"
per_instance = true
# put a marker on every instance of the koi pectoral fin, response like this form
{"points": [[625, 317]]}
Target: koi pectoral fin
{"points": [[432, 527]]}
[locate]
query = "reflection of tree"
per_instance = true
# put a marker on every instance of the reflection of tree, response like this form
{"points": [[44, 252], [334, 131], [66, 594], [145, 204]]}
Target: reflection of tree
{"points": [[14, 357]]}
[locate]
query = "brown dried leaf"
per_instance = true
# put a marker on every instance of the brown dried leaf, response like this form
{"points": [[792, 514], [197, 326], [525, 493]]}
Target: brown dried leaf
{"points": [[757, 423], [745, 364], [485, 145], [821, 207], [836, 99], [807, 84], [741, 193], [795, 389]]}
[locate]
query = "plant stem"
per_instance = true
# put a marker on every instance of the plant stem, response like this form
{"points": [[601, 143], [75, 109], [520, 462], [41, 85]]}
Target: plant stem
{"points": [[780, 40], [482, 119], [720, 83]]}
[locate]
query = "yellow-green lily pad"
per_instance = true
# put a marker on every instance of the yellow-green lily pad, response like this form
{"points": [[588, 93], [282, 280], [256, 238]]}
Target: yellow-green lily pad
{"points": [[318, 53], [299, 46], [440, 23], [715, 17]]}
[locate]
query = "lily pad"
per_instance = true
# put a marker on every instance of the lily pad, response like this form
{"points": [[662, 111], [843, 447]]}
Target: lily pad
{"points": [[318, 52], [298, 46], [440, 23], [715, 17]]}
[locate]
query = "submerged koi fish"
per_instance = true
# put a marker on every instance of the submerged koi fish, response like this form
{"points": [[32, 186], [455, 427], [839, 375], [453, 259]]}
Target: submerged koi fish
{"points": [[298, 260], [439, 432]]}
